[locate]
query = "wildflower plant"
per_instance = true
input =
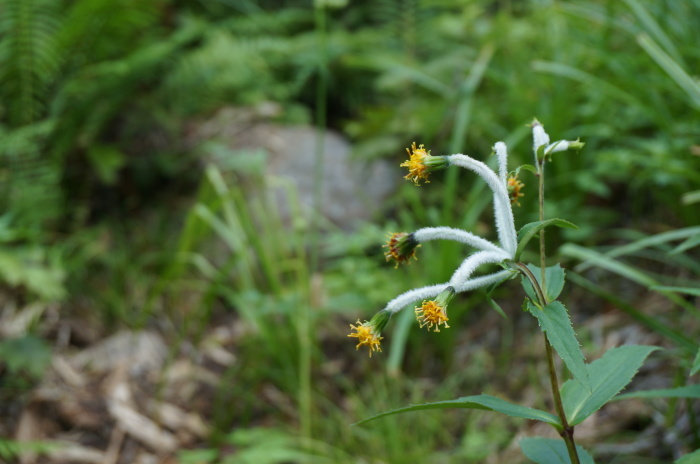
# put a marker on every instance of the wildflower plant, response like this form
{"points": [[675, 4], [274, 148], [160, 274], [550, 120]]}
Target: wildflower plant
{"points": [[592, 384]]}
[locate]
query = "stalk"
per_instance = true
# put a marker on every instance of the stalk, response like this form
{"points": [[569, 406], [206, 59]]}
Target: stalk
{"points": [[540, 176], [567, 432]]}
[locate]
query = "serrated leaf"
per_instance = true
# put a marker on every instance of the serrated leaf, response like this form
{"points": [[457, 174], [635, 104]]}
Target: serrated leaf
{"points": [[608, 376], [555, 322], [555, 277], [690, 458], [687, 391], [696, 364], [551, 451], [529, 231], [483, 402]]}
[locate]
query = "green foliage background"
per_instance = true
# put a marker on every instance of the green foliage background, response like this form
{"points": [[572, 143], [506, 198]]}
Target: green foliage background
{"points": [[108, 212]]}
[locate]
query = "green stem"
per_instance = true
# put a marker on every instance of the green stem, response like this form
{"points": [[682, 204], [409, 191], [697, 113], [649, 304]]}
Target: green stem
{"points": [[535, 285], [543, 264], [567, 432]]}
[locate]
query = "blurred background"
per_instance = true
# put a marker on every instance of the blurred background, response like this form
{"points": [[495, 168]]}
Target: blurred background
{"points": [[194, 195]]}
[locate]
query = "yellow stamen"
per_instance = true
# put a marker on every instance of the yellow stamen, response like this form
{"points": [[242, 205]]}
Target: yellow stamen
{"points": [[417, 169], [432, 315], [514, 186], [365, 336]]}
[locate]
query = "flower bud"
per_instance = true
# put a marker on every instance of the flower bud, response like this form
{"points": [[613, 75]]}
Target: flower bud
{"points": [[401, 247]]}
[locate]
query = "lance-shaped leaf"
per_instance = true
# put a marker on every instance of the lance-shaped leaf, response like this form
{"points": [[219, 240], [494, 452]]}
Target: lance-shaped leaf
{"points": [[483, 402], [687, 391], [696, 364], [551, 451], [608, 375], [554, 321], [529, 231]]}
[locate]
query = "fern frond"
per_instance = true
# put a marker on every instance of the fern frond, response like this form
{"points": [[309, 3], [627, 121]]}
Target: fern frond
{"points": [[28, 57]]}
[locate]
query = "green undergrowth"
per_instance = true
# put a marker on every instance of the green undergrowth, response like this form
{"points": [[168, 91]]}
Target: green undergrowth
{"points": [[109, 212]]}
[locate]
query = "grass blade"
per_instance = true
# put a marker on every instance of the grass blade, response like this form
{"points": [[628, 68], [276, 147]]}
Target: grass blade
{"points": [[675, 71]]}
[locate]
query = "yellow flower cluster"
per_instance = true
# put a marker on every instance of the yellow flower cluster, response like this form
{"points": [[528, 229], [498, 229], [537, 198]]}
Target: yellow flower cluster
{"points": [[432, 314], [514, 187], [417, 169], [365, 336]]}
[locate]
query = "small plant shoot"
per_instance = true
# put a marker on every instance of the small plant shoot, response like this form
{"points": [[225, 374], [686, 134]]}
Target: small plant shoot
{"points": [[592, 384]]}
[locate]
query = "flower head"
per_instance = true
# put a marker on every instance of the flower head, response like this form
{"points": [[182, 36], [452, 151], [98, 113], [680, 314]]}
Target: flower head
{"points": [[421, 163], [401, 247], [368, 333], [514, 186], [433, 313]]}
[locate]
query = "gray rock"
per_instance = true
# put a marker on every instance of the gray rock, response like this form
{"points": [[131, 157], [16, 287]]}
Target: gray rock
{"points": [[352, 191]]}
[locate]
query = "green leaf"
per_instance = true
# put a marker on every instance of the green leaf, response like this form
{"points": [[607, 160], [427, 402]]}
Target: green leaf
{"points": [[551, 451], [527, 167], [608, 375], [653, 323], [483, 402], [687, 391], [647, 242], [691, 197], [554, 321], [496, 307], [696, 364], [685, 81], [606, 262], [490, 289], [529, 231], [690, 242], [106, 160], [28, 353], [690, 458], [629, 272], [686, 290], [554, 281]]}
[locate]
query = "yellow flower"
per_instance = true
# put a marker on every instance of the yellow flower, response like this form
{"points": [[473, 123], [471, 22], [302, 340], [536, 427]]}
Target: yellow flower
{"points": [[401, 247], [366, 335], [421, 163], [432, 315], [514, 186]]}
